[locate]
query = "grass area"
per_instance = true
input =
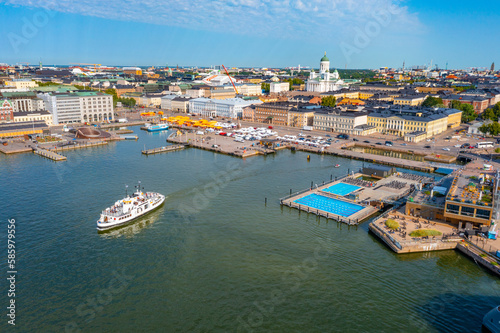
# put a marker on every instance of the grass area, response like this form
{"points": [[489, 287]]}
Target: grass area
{"points": [[486, 198], [425, 232], [369, 179], [392, 224], [47, 139]]}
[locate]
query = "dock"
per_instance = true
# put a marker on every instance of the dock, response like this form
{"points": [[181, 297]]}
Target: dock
{"points": [[80, 145], [50, 155], [163, 149]]}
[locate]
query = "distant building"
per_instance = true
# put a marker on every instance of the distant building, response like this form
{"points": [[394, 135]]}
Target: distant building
{"points": [[324, 81], [132, 70], [78, 107], [21, 83], [279, 87], [249, 89], [479, 103], [415, 100]]}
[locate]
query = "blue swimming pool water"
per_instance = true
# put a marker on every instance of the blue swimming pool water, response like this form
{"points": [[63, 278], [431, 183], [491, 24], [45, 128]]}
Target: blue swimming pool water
{"points": [[330, 205], [341, 189]]}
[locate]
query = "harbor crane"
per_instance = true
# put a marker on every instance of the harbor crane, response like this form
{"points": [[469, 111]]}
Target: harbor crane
{"points": [[236, 90]]}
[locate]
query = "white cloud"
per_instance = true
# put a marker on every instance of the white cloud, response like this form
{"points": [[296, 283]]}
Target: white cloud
{"points": [[311, 20]]}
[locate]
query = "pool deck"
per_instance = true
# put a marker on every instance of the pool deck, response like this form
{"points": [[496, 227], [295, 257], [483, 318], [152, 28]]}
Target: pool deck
{"points": [[351, 220]]}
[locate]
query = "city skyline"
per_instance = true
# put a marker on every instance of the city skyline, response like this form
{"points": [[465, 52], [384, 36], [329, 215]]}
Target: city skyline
{"points": [[251, 33]]}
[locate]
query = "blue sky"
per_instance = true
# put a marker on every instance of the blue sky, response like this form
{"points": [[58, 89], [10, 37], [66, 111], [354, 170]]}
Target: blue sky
{"points": [[246, 33]]}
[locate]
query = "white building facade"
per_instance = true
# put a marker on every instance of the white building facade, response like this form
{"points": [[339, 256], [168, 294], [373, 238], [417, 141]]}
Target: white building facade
{"points": [[324, 81], [278, 87], [78, 107], [230, 108]]}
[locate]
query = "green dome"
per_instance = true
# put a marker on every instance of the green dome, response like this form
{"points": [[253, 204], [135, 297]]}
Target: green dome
{"points": [[325, 58]]}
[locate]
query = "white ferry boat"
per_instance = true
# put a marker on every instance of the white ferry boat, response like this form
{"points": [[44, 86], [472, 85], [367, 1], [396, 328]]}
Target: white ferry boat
{"points": [[130, 208], [157, 127], [491, 321]]}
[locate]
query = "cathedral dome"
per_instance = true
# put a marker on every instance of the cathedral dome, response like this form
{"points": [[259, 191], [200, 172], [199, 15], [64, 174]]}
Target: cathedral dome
{"points": [[325, 58]]}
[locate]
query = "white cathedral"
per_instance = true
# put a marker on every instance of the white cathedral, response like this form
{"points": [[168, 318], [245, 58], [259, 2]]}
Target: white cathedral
{"points": [[324, 81]]}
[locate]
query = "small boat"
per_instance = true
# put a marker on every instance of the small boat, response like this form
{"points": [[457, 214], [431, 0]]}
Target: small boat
{"points": [[157, 127], [129, 208], [337, 165], [129, 137], [491, 321]]}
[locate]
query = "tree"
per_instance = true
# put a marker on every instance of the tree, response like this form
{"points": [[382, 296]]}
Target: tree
{"points": [[468, 113], [492, 113], [432, 102], [266, 87], [329, 101]]}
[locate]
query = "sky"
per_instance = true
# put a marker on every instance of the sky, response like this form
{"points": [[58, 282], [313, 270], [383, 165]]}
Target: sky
{"points": [[251, 33]]}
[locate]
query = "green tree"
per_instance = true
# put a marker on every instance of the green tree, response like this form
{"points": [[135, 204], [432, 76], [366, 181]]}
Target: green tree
{"points": [[266, 87], [468, 113], [432, 101], [112, 92], [492, 113], [329, 101]]}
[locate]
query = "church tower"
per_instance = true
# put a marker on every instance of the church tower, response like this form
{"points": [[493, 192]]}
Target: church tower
{"points": [[324, 65]]}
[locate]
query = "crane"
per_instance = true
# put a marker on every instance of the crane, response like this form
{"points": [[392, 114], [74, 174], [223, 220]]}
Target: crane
{"points": [[95, 65], [236, 90]]}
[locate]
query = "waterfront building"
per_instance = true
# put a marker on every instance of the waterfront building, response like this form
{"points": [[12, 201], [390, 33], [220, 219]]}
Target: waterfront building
{"points": [[468, 202], [324, 81], [347, 122], [279, 87], [26, 101], [80, 106], [180, 104], [301, 116], [273, 113], [230, 108], [248, 113], [6, 111], [8, 130], [33, 116], [409, 122]]}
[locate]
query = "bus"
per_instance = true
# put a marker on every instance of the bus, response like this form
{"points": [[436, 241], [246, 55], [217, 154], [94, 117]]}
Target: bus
{"points": [[484, 145]]}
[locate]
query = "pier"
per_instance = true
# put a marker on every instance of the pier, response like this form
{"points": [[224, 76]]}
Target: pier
{"points": [[49, 154], [79, 145], [163, 149]]}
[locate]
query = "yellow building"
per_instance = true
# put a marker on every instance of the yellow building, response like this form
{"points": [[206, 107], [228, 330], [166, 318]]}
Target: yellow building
{"points": [[21, 83], [409, 100], [33, 116], [299, 117], [410, 123]]}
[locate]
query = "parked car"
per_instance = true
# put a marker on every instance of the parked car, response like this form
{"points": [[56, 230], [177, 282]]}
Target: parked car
{"points": [[427, 147], [446, 148], [366, 141], [404, 144], [355, 140], [379, 143]]}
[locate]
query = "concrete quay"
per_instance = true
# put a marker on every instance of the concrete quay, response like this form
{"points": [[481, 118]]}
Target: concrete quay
{"points": [[49, 154], [163, 149]]}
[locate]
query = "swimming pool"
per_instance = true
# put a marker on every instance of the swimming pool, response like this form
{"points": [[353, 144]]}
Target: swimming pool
{"points": [[341, 189], [329, 205]]}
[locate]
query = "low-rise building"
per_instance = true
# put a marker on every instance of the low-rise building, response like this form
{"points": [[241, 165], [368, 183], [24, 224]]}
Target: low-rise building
{"points": [[301, 116], [222, 93], [33, 116], [273, 113], [249, 89], [180, 104]]}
